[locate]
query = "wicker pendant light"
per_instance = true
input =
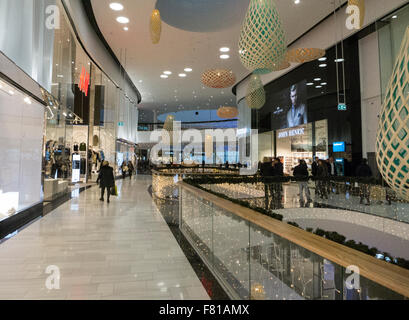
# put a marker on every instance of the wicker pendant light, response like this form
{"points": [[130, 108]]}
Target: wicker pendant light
{"points": [[302, 55], [256, 95], [218, 78], [155, 26], [227, 112], [392, 143], [262, 41]]}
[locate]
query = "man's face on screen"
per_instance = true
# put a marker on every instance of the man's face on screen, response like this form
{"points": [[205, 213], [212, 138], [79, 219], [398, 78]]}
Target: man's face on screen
{"points": [[293, 96]]}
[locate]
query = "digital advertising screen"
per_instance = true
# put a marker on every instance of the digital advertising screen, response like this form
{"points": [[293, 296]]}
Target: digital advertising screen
{"points": [[289, 107]]}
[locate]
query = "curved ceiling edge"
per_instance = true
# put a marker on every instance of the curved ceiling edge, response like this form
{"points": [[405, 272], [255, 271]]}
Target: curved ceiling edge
{"points": [[92, 20]]}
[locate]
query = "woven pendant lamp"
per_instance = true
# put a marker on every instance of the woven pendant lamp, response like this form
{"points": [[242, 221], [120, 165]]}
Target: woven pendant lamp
{"points": [[262, 43], [256, 95], [392, 143], [361, 5], [302, 55], [227, 112], [155, 26], [218, 78]]}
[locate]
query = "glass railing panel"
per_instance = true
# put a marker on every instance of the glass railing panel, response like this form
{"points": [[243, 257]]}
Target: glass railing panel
{"points": [[196, 222], [231, 250]]}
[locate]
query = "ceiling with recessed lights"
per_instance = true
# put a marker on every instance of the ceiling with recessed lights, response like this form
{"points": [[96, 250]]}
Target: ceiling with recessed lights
{"points": [[197, 35]]}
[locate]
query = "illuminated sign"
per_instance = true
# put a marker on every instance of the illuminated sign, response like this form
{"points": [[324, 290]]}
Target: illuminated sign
{"points": [[291, 133], [342, 107], [338, 147], [84, 81]]}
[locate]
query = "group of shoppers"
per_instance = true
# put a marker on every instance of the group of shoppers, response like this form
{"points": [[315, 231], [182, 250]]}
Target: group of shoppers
{"points": [[322, 170]]}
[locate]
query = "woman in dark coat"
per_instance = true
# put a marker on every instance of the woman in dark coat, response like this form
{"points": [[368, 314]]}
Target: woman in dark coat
{"points": [[106, 179]]}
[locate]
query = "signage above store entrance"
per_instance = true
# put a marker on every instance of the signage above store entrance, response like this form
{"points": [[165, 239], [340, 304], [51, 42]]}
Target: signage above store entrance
{"points": [[291, 133]]}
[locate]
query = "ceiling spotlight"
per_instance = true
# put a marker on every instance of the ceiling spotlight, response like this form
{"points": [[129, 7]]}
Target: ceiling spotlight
{"points": [[224, 49], [310, 83], [140, 81], [224, 56], [122, 20], [182, 75], [323, 65], [323, 83], [317, 79], [167, 73], [126, 28], [164, 76], [318, 87], [339, 60], [394, 17], [322, 59], [116, 6], [11, 92], [296, 1], [188, 69], [27, 100]]}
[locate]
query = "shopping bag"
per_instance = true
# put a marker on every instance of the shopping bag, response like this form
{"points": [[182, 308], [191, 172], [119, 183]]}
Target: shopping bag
{"points": [[114, 191]]}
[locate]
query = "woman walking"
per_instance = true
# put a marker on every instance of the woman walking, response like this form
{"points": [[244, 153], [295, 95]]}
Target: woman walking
{"points": [[106, 180], [322, 176]]}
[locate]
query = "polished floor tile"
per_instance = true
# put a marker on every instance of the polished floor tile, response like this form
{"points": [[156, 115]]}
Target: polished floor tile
{"points": [[121, 250]]}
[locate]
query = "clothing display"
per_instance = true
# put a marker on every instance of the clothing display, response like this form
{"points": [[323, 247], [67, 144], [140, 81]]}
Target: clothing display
{"points": [[83, 146]]}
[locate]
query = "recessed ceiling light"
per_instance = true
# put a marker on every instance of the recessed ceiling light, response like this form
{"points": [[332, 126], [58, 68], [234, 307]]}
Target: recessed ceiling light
{"points": [[126, 28], [296, 1], [116, 6], [394, 17], [324, 84], [224, 49], [188, 69], [310, 83], [164, 76], [140, 81], [323, 65], [322, 59], [167, 72], [11, 92], [122, 20], [27, 100], [339, 60], [182, 75], [224, 56], [318, 87], [317, 79]]}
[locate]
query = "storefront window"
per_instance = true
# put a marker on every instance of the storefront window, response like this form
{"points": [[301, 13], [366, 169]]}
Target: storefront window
{"points": [[21, 141]]}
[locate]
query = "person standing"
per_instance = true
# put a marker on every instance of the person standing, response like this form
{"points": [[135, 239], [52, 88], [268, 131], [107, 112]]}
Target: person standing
{"points": [[124, 169], [106, 180], [130, 169], [322, 175], [301, 173], [314, 171], [266, 170], [278, 171], [364, 171], [332, 171]]}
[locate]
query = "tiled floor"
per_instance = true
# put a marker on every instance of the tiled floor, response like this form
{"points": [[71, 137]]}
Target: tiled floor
{"points": [[121, 250]]}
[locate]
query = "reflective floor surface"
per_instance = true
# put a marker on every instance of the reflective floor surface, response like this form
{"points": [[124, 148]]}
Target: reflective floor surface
{"points": [[121, 250]]}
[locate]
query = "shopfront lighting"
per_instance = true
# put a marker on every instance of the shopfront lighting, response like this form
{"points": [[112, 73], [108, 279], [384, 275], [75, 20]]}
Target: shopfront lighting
{"points": [[116, 6], [122, 20]]}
